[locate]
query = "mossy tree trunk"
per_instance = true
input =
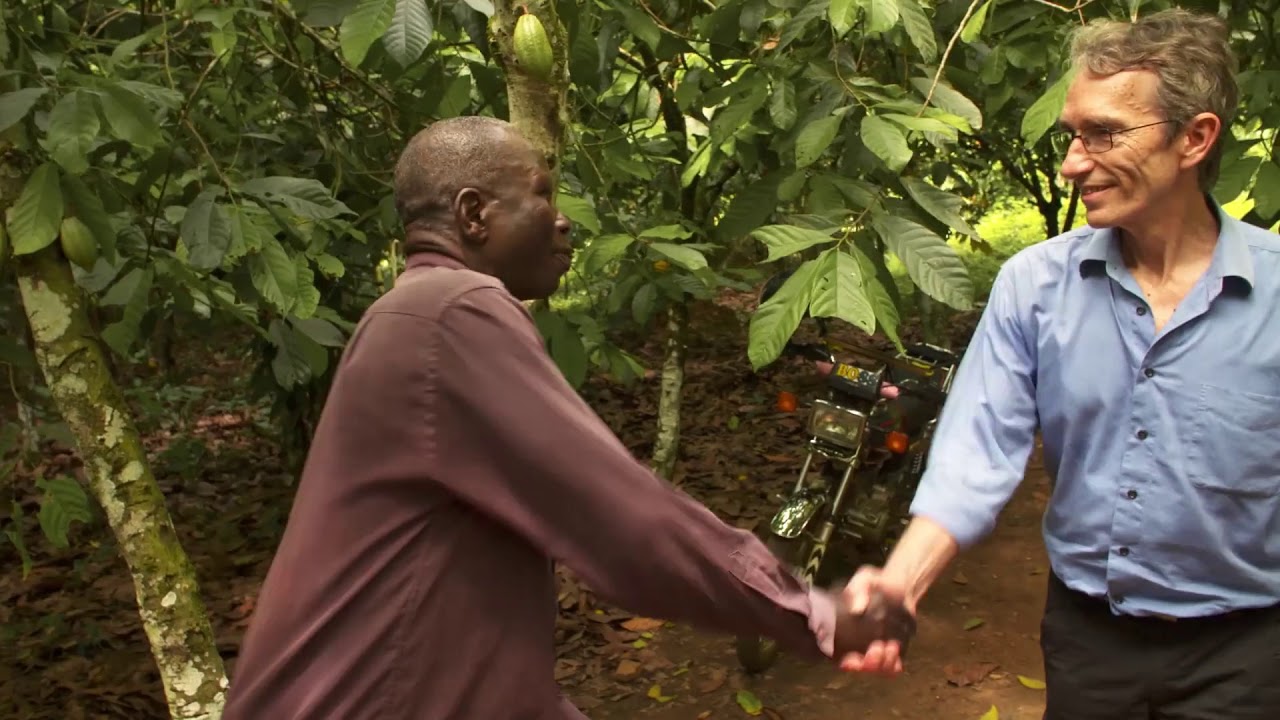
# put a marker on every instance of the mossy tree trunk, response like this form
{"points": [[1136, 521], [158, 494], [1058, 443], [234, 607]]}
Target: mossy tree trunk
{"points": [[72, 360], [536, 107], [666, 446]]}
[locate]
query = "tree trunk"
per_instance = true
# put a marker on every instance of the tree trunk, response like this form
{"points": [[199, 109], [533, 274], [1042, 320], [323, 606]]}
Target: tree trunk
{"points": [[72, 360], [536, 107], [666, 447]]}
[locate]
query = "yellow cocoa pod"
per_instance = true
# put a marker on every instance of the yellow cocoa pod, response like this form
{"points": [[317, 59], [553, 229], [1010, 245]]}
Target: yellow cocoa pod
{"points": [[533, 49], [661, 266], [78, 243]]}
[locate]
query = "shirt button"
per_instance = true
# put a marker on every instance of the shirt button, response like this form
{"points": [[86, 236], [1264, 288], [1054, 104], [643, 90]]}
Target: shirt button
{"points": [[1149, 372], [1124, 552], [1132, 494], [1142, 434], [1142, 310]]}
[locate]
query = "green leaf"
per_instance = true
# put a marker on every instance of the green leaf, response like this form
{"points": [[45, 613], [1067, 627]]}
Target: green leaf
{"points": [[206, 231], [749, 703], [564, 345], [842, 14], [308, 300], [579, 211], [15, 105], [34, 218], [667, 232], [782, 105], [330, 266], [731, 118], [885, 140], [973, 623], [362, 28], [750, 207], [1266, 191], [306, 197], [456, 97], [484, 7], [882, 304], [973, 29], [783, 240], [73, 128], [63, 503], [882, 15], [815, 138], [685, 257], [323, 332], [291, 365], [639, 23], [410, 31], [857, 192], [136, 287], [1043, 113], [838, 292], [1235, 176], [603, 250], [923, 124], [274, 275], [942, 205], [934, 266], [154, 94], [129, 116], [949, 99], [773, 322], [643, 304], [83, 203], [919, 28]]}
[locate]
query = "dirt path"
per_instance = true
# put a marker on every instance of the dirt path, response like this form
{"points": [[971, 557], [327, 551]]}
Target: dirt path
{"points": [[1001, 582]]}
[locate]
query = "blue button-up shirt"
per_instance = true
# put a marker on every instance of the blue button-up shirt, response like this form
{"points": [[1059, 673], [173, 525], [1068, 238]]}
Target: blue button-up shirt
{"points": [[1164, 447]]}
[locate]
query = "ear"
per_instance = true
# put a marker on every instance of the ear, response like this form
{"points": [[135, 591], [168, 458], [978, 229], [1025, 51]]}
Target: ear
{"points": [[1199, 138], [469, 216]]}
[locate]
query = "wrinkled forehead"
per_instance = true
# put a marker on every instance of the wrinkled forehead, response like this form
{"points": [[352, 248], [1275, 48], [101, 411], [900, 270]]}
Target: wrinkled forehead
{"points": [[1118, 100]]}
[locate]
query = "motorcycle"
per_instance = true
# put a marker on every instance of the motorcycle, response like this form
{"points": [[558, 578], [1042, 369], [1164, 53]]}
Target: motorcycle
{"points": [[868, 439]]}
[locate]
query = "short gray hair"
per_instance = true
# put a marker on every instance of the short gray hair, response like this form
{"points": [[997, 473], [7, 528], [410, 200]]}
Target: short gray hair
{"points": [[1189, 52]]}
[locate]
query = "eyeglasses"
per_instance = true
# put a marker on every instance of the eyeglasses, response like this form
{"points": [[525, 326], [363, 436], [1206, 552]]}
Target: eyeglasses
{"points": [[1096, 140]]}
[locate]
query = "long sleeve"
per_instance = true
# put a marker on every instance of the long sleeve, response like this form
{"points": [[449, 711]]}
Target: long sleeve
{"points": [[987, 428], [511, 438]]}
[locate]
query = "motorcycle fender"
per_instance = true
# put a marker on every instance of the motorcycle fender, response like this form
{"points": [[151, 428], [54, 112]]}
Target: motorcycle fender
{"points": [[794, 515]]}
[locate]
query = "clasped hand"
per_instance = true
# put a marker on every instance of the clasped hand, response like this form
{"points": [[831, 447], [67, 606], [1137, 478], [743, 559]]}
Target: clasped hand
{"points": [[875, 623]]}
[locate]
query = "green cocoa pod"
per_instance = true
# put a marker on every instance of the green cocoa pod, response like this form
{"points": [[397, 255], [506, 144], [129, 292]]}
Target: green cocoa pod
{"points": [[533, 49], [78, 243]]}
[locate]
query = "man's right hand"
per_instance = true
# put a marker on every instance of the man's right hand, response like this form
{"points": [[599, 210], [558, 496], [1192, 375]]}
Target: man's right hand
{"points": [[882, 657]]}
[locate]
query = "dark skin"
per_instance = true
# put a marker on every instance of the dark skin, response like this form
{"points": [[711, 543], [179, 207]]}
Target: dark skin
{"points": [[509, 228]]}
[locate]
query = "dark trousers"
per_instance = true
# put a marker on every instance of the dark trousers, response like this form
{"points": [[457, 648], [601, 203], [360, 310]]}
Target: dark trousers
{"points": [[1102, 667]]}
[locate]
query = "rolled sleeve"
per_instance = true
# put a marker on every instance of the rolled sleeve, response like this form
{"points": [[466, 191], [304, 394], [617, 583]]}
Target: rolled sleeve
{"points": [[987, 428]]}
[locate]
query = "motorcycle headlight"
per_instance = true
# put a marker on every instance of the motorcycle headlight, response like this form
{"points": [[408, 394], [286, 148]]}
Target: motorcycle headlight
{"points": [[837, 425]]}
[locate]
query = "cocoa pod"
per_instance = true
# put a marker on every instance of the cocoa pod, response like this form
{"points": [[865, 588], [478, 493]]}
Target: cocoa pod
{"points": [[532, 47], [78, 242]]}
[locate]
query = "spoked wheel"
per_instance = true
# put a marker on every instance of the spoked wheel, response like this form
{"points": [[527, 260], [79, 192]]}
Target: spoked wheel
{"points": [[757, 653]]}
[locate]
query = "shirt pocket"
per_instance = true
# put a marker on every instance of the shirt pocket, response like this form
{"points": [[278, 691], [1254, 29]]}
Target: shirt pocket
{"points": [[1235, 445]]}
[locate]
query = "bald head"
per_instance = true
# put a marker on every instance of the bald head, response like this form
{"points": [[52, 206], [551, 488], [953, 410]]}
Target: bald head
{"points": [[450, 155]]}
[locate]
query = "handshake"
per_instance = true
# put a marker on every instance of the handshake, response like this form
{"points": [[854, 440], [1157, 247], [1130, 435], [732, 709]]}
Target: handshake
{"points": [[883, 619]]}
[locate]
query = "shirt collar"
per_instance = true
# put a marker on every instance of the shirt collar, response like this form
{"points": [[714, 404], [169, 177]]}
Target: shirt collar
{"points": [[1231, 257]]}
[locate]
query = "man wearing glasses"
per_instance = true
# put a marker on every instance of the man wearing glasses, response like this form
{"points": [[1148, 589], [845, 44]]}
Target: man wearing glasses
{"points": [[1145, 348]]}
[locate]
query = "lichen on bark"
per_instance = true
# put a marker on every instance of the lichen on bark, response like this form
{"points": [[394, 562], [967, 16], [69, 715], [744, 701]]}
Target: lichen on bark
{"points": [[667, 444], [537, 108], [73, 363]]}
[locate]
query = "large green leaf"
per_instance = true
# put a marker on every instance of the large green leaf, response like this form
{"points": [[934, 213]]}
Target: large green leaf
{"points": [[306, 197], [783, 240], [603, 250], [815, 138], [950, 100], [322, 331], [973, 29], [1266, 191], [838, 291], [73, 128], [919, 29], [579, 211], [274, 275], [882, 303], [298, 358], [564, 344], [732, 117], [362, 28], [206, 231], [750, 207], [135, 290], [15, 105], [1043, 113], [842, 14], [776, 320], [34, 218], [129, 116], [887, 141], [410, 31], [481, 6], [685, 257], [942, 205], [85, 204], [934, 266], [308, 300], [882, 15], [64, 502], [782, 105]]}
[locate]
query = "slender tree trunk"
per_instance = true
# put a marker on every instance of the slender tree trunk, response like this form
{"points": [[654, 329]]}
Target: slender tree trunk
{"points": [[537, 108], [666, 447], [72, 360]]}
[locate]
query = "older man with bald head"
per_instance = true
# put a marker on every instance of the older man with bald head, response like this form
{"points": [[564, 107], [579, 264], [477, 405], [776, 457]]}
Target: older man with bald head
{"points": [[453, 463]]}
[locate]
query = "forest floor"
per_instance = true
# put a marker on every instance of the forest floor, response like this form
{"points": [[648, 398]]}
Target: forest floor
{"points": [[72, 647]]}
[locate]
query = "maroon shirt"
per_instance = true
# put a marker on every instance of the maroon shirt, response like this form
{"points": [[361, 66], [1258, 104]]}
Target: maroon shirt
{"points": [[451, 464]]}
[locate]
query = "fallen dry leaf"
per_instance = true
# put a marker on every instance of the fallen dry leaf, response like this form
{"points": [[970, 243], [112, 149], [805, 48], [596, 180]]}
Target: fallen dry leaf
{"points": [[713, 680], [964, 675], [642, 624]]}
